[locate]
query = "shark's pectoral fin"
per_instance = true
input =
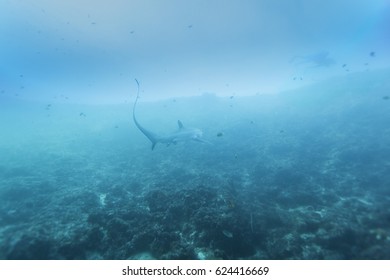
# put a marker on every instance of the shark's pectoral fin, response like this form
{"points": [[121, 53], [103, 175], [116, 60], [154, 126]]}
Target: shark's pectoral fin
{"points": [[153, 145], [201, 140]]}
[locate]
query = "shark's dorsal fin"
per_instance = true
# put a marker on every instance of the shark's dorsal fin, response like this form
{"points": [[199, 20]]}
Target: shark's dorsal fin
{"points": [[180, 124]]}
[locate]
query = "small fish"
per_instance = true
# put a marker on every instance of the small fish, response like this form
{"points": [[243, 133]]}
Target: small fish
{"points": [[82, 114], [227, 233], [372, 54], [219, 134], [386, 97]]}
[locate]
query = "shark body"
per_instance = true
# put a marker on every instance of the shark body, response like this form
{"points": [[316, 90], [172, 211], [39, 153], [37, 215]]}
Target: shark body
{"points": [[183, 134]]}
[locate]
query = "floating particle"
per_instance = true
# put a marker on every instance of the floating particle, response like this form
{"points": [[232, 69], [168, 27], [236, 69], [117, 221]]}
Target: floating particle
{"points": [[219, 134], [82, 114], [372, 54], [386, 97]]}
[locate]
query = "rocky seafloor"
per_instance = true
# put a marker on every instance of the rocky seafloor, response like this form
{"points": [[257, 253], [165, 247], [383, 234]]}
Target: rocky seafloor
{"points": [[297, 205]]}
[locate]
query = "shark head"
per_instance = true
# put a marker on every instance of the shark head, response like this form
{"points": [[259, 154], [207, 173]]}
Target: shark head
{"points": [[197, 134]]}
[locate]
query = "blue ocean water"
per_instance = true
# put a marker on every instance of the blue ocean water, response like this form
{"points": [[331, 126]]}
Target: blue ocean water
{"points": [[298, 175], [294, 158]]}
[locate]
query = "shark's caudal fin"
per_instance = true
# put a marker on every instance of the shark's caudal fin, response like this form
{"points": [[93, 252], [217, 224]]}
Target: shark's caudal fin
{"points": [[151, 136]]}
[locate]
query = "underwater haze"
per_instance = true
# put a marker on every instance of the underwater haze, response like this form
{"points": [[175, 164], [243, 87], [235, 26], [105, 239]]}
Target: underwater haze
{"points": [[261, 130]]}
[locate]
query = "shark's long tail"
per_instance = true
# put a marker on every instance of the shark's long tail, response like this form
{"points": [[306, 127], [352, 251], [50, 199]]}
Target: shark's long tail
{"points": [[135, 103], [151, 136]]}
